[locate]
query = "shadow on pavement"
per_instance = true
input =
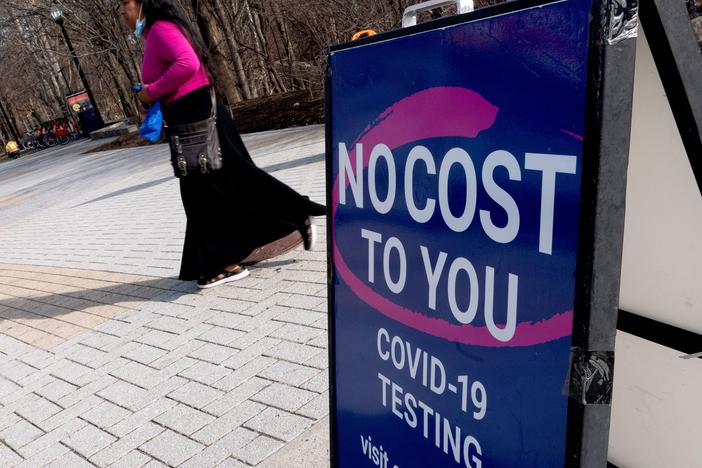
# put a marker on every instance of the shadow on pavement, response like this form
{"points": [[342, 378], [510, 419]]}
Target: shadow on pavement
{"points": [[133, 188], [40, 306], [295, 163]]}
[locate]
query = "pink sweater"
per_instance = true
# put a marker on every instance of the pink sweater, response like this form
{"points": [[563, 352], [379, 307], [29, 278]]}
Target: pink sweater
{"points": [[171, 67]]}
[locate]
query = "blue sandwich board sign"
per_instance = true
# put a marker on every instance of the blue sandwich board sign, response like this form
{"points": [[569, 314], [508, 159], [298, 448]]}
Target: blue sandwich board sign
{"points": [[463, 166]]}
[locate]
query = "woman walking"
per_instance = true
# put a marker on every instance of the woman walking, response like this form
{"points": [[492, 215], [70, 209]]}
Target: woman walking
{"points": [[230, 211]]}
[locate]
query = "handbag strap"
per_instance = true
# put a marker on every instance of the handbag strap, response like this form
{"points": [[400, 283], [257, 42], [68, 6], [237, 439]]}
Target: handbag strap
{"points": [[213, 114]]}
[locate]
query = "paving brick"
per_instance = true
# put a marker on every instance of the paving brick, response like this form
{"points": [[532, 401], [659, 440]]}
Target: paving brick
{"points": [[170, 324], [7, 419], [322, 323], [236, 396], [284, 397], [89, 440], [232, 463], [73, 372], [69, 459], [299, 316], [294, 352], [44, 457], [240, 293], [155, 464], [114, 327], [228, 422], [53, 437], [227, 300], [34, 382], [101, 341], [142, 353], [20, 434], [317, 408], [36, 358], [321, 340], [209, 457], [279, 424], [236, 439], [227, 319], [16, 371], [220, 335], [171, 448], [304, 302], [250, 352], [55, 390], [195, 394], [296, 333], [70, 413], [157, 338], [142, 416], [9, 457], [319, 360], [184, 419], [289, 373], [243, 373], [307, 289], [212, 353], [86, 391], [85, 355], [126, 395], [262, 319], [105, 415], [171, 309], [126, 445], [261, 330], [318, 384], [138, 374], [177, 354], [205, 372], [7, 387], [133, 459], [258, 449], [39, 410]]}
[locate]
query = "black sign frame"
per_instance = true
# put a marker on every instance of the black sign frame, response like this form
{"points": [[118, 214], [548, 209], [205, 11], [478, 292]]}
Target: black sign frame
{"points": [[605, 159]]}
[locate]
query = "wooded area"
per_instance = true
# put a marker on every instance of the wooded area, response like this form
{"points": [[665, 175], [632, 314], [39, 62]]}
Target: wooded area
{"points": [[260, 48]]}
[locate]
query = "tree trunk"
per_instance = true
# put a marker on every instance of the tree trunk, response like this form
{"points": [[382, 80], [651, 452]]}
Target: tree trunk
{"points": [[259, 47], [276, 78], [233, 47], [232, 89], [55, 68], [285, 35]]}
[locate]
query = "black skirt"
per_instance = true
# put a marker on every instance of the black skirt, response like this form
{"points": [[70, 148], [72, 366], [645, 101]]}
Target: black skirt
{"points": [[236, 209]]}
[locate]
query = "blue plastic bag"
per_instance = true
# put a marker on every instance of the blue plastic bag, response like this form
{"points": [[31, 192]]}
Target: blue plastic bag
{"points": [[153, 121]]}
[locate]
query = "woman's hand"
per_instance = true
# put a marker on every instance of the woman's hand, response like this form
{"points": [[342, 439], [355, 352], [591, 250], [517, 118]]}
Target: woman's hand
{"points": [[142, 111], [143, 97]]}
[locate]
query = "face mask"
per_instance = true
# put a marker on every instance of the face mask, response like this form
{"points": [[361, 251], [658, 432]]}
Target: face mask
{"points": [[140, 23]]}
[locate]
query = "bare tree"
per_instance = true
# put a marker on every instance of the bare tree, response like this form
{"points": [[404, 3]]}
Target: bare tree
{"points": [[258, 48]]}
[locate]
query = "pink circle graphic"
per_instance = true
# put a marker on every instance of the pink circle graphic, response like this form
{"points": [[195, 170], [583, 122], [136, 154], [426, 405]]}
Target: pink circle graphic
{"points": [[431, 113]]}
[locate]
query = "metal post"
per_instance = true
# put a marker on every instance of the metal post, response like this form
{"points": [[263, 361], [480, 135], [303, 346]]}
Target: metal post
{"points": [[68, 86], [83, 79]]}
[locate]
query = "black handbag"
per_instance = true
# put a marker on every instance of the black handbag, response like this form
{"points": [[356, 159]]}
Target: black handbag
{"points": [[195, 146]]}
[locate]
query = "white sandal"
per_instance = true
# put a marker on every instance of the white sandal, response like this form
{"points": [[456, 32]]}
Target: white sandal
{"points": [[238, 273]]}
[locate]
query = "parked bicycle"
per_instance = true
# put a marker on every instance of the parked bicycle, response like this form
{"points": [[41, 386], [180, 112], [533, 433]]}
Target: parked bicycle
{"points": [[58, 131]]}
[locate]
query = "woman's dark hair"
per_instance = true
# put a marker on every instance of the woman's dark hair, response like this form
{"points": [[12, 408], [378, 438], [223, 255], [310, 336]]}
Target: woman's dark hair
{"points": [[172, 11]]}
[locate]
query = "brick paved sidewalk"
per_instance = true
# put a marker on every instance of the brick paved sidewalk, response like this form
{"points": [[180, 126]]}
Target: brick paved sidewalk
{"points": [[105, 366]]}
